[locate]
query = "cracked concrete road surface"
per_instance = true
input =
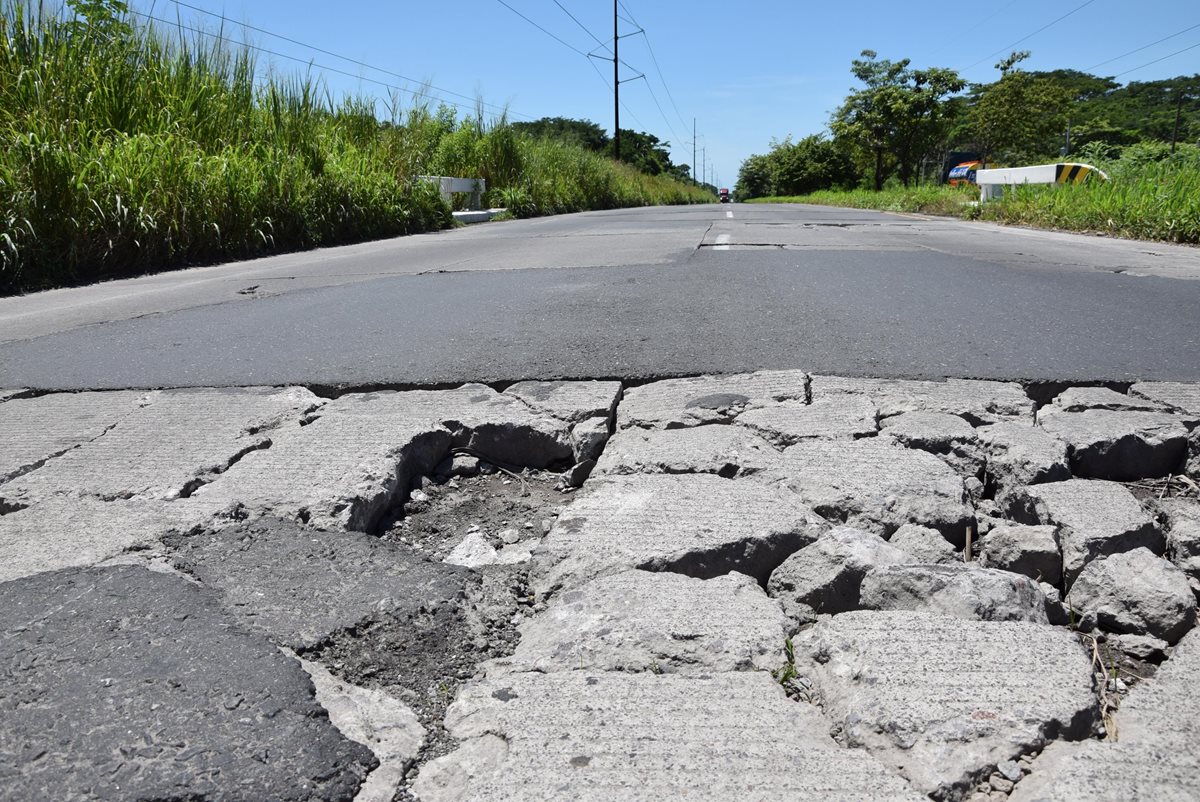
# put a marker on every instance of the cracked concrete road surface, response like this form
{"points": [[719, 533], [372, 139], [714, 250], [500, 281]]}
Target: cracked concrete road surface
{"points": [[634, 294], [332, 526]]}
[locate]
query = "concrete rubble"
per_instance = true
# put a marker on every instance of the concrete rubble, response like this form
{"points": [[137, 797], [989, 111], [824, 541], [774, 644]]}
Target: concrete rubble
{"points": [[744, 587]]}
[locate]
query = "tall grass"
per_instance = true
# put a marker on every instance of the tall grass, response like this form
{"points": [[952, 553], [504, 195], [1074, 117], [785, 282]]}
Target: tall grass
{"points": [[129, 150], [1152, 194]]}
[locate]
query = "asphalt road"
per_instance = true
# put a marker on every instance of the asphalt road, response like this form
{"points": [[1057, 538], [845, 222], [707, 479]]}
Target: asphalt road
{"points": [[634, 294]]}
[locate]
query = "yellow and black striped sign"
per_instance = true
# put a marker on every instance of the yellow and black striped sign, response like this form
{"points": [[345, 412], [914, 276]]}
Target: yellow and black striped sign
{"points": [[1074, 173]]}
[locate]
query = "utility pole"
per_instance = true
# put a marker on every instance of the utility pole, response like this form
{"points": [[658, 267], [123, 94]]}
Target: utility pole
{"points": [[693, 150], [616, 86], [704, 164]]}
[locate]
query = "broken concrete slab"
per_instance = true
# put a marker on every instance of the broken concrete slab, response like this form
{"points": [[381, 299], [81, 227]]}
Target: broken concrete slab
{"points": [[924, 545], [641, 737], [657, 622], [1022, 454], [34, 430], [361, 454], [698, 525], [1094, 518], [378, 721], [1155, 756], [946, 436], [1136, 592], [963, 590], [474, 551], [728, 451], [299, 586], [876, 485], [1182, 396], [1183, 535], [993, 691], [1029, 550], [1080, 399], [977, 401], [676, 403], [1123, 446], [788, 423], [173, 442], [588, 438], [570, 401], [825, 577], [121, 683], [68, 533]]}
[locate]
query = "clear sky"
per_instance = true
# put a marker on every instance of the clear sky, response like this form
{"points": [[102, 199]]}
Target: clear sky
{"points": [[748, 71]]}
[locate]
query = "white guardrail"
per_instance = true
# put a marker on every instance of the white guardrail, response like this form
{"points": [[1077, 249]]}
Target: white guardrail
{"points": [[992, 182], [448, 186]]}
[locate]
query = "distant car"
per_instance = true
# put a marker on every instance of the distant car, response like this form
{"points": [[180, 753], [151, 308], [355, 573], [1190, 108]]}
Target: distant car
{"points": [[724, 195], [964, 174]]}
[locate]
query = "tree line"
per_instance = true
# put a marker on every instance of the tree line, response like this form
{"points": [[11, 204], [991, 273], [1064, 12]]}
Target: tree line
{"points": [[906, 125], [639, 149]]}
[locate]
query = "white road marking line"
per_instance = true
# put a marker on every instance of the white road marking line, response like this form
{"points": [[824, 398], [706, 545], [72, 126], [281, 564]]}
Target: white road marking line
{"points": [[729, 214], [722, 242]]}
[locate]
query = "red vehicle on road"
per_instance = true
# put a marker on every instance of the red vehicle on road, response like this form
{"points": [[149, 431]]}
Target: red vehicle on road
{"points": [[724, 195]]}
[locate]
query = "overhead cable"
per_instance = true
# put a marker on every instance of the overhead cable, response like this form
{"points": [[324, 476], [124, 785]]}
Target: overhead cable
{"points": [[1027, 37]]}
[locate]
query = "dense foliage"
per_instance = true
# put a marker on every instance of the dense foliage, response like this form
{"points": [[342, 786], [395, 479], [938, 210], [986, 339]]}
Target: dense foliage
{"points": [[904, 126], [128, 151]]}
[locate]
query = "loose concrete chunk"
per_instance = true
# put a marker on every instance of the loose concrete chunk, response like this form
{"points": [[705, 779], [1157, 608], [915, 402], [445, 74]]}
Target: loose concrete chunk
{"points": [[824, 577], [1138, 593], [1183, 535], [1029, 550], [727, 451], [833, 418], [977, 401], [299, 585], [1124, 446], [1155, 757], [346, 468], [879, 486], [33, 430], [569, 401], [1079, 399], [473, 552], [698, 525], [596, 737], [1022, 454], [173, 442], [1094, 518], [658, 622], [1178, 395], [69, 533], [924, 545], [943, 700], [588, 438], [121, 683], [378, 721], [676, 403], [963, 591]]}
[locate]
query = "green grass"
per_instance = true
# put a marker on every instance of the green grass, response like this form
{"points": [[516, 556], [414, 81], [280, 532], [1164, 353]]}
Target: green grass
{"points": [[130, 151], [1152, 196]]}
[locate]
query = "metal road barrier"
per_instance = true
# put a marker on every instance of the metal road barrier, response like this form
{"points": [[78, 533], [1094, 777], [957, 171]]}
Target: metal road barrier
{"points": [[992, 182]]}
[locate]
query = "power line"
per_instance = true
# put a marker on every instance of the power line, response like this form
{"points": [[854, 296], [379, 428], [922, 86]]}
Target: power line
{"points": [[1143, 47], [180, 26], [582, 26], [316, 49], [1164, 58], [1030, 36], [658, 69], [670, 127], [543, 30]]}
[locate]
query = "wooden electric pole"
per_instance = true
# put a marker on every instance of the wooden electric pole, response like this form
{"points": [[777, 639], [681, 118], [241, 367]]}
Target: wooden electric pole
{"points": [[616, 87]]}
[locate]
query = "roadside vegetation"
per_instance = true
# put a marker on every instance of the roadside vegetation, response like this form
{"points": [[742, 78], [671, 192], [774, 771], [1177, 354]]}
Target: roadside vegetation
{"points": [[892, 142], [130, 150]]}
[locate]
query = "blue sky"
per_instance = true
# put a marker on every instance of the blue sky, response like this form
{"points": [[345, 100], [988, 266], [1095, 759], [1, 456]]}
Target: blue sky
{"points": [[747, 71]]}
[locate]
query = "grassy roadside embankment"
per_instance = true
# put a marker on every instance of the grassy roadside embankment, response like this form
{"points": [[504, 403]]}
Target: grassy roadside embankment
{"points": [[129, 151], [1152, 195]]}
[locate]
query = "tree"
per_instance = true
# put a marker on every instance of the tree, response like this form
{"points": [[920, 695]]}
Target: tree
{"points": [[1017, 115], [899, 115]]}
